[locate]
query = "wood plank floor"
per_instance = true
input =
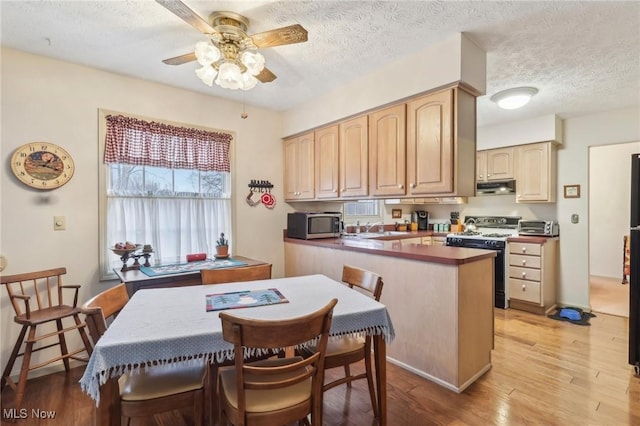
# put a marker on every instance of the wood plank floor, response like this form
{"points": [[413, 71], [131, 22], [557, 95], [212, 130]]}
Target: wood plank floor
{"points": [[545, 372], [608, 296]]}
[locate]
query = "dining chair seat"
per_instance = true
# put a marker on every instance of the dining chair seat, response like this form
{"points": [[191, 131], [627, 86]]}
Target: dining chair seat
{"points": [[161, 380], [275, 399], [46, 314]]}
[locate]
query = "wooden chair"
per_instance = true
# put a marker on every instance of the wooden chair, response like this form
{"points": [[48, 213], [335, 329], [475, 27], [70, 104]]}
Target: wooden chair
{"points": [[154, 389], [274, 391], [41, 294], [228, 275], [349, 350]]}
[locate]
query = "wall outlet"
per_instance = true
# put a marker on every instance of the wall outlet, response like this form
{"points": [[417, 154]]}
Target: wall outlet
{"points": [[575, 218], [59, 223]]}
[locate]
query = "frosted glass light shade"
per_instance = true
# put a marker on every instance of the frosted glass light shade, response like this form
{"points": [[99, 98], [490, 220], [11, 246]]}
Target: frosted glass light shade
{"points": [[253, 61], [207, 74], [514, 98], [206, 53], [229, 76], [248, 81]]}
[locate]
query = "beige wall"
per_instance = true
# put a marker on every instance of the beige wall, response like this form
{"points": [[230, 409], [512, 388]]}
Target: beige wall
{"points": [[48, 100]]}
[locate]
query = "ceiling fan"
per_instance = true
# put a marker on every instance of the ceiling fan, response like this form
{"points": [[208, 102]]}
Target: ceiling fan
{"points": [[229, 56]]}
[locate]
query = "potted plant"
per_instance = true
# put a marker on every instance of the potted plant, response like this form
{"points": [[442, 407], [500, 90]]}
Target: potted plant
{"points": [[222, 246]]}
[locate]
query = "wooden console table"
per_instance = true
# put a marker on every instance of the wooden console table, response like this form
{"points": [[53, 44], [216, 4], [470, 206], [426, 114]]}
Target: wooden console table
{"points": [[135, 279]]}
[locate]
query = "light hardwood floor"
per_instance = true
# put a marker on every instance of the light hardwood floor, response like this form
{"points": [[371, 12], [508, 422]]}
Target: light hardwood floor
{"points": [[544, 372], [609, 296]]}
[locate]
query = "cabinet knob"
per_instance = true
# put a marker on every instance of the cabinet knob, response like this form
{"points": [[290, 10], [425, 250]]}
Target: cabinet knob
{"points": [[481, 176], [413, 185], [335, 190], [524, 287], [524, 262], [344, 190], [488, 174], [524, 275], [400, 186], [524, 249]]}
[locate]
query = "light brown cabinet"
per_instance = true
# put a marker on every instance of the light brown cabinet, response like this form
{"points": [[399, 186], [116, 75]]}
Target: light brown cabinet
{"points": [[535, 171], [354, 159], [532, 276], [494, 164], [387, 150], [326, 162], [299, 171], [341, 160], [441, 144]]}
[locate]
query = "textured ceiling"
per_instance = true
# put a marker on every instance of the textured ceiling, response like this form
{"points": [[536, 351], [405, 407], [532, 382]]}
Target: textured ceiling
{"points": [[582, 56]]}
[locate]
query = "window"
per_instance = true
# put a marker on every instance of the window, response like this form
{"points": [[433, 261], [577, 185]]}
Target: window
{"points": [[363, 211], [164, 185]]}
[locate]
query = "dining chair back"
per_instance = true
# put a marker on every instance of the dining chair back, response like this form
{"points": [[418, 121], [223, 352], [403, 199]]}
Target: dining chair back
{"points": [[228, 275], [349, 350], [37, 299], [154, 389], [280, 390]]}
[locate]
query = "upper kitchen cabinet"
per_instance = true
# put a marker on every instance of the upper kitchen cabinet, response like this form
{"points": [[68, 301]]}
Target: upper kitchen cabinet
{"points": [[494, 165], [354, 157], [535, 170], [326, 161], [341, 159], [441, 144], [299, 177], [387, 151]]}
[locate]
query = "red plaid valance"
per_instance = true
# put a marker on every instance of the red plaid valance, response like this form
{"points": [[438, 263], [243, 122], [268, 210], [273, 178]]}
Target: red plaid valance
{"points": [[139, 142]]}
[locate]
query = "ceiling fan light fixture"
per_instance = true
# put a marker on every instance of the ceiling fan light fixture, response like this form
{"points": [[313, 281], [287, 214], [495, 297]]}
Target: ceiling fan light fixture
{"points": [[514, 98], [229, 76], [253, 61], [206, 53], [207, 74]]}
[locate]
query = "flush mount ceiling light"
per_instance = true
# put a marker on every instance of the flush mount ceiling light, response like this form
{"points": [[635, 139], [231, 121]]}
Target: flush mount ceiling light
{"points": [[514, 98]]}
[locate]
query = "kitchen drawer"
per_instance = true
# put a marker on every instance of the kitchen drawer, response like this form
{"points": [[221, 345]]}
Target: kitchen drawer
{"points": [[427, 241], [528, 274], [524, 261], [528, 291], [525, 248]]}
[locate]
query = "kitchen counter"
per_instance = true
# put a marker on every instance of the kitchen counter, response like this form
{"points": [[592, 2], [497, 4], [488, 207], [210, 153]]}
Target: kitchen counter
{"points": [[392, 246], [440, 299]]}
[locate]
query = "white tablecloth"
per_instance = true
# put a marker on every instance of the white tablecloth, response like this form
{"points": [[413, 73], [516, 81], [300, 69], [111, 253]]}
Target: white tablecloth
{"points": [[171, 325]]}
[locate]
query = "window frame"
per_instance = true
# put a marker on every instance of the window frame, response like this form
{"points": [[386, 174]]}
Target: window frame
{"points": [[105, 273]]}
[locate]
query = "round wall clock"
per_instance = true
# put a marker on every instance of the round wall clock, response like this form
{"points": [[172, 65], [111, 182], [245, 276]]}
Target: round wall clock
{"points": [[42, 165]]}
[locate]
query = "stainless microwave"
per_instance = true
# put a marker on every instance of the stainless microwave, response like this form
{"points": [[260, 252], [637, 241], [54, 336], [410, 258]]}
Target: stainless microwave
{"points": [[306, 225], [545, 228]]}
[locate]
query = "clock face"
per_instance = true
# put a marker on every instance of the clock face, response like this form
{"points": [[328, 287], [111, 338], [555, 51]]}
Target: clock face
{"points": [[42, 165]]}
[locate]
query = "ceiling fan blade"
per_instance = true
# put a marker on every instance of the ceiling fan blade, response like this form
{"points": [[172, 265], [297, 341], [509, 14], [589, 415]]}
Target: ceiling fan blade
{"points": [[182, 59], [183, 12], [280, 36], [266, 76]]}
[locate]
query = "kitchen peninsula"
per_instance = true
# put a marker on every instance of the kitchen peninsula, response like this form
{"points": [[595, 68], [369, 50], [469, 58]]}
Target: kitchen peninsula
{"points": [[440, 299]]}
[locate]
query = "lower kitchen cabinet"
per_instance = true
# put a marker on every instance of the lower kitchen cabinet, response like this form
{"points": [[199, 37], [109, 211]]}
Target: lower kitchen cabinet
{"points": [[532, 275]]}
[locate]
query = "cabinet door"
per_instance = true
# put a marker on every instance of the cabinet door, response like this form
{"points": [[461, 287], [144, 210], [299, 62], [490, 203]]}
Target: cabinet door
{"points": [[499, 164], [534, 174], [326, 161], [299, 174], [387, 150], [430, 151], [481, 166], [354, 160]]}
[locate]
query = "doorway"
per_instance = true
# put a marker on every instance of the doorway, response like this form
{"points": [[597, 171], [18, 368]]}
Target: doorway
{"points": [[609, 205]]}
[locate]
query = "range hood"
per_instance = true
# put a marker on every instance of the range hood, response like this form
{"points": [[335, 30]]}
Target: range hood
{"points": [[496, 188]]}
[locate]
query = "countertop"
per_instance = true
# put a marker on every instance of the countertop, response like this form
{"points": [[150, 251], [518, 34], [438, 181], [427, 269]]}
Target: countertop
{"points": [[391, 246]]}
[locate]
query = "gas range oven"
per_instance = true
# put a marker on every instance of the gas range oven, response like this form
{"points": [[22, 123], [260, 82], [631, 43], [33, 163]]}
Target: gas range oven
{"points": [[491, 233]]}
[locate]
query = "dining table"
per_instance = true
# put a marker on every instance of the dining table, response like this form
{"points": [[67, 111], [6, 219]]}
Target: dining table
{"points": [[173, 325]]}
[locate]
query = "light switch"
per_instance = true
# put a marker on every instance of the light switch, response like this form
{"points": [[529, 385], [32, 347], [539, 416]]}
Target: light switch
{"points": [[59, 223], [575, 218]]}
